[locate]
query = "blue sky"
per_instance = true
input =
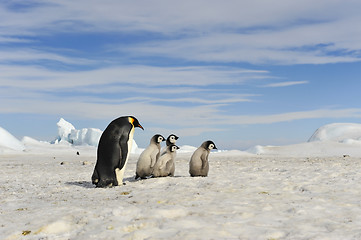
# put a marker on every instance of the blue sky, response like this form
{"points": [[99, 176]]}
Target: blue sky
{"points": [[240, 73]]}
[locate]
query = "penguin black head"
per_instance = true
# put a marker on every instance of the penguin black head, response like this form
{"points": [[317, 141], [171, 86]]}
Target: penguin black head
{"points": [[134, 122], [172, 139], [157, 138], [173, 148], [209, 145]]}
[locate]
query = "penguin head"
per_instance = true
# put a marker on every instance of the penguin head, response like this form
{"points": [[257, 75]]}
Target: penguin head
{"points": [[172, 139], [209, 145], [157, 138], [132, 120], [173, 148]]}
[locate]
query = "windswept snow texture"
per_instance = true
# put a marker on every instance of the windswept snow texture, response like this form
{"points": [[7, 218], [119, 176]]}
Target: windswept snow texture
{"points": [[303, 191], [8, 141], [245, 196]]}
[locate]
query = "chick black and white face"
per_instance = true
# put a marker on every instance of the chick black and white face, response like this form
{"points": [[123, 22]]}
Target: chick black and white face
{"points": [[211, 146], [160, 139], [172, 139], [174, 148]]}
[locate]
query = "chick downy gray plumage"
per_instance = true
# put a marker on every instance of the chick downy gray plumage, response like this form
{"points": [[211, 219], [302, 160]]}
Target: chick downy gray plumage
{"points": [[165, 164], [171, 139], [149, 157], [198, 165]]}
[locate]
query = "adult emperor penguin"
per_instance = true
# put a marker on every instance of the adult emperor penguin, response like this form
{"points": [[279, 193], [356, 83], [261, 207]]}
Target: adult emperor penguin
{"points": [[165, 165], [114, 147], [198, 165], [171, 139], [149, 157]]}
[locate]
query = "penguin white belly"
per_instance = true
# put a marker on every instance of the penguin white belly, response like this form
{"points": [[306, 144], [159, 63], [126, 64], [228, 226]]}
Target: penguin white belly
{"points": [[119, 173]]}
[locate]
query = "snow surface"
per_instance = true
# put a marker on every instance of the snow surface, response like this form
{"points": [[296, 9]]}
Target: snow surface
{"points": [[304, 191], [49, 195]]}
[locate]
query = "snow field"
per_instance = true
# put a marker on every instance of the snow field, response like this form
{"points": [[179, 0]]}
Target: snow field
{"points": [[309, 190], [244, 197]]}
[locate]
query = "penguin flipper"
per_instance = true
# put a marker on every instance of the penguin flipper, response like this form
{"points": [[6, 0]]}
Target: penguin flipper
{"points": [[168, 166], [123, 143], [204, 160], [153, 160]]}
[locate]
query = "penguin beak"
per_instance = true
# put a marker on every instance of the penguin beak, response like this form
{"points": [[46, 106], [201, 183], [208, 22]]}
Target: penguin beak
{"points": [[135, 122]]}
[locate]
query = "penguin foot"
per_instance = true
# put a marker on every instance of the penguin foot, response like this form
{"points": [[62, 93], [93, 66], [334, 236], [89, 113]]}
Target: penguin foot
{"points": [[106, 183]]}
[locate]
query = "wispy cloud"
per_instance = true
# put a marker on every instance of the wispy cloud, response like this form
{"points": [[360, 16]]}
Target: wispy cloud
{"points": [[20, 76], [26, 55], [285, 84], [196, 66], [209, 117], [280, 33], [301, 115]]}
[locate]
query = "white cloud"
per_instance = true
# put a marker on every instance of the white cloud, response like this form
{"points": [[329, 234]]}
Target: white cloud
{"points": [[164, 16], [293, 116], [19, 55], [271, 47], [207, 116], [285, 84], [32, 77], [234, 31], [185, 132], [193, 33]]}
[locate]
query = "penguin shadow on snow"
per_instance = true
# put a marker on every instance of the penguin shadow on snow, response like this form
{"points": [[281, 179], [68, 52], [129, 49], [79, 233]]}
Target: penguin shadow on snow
{"points": [[89, 184], [130, 179], [84, 184]]}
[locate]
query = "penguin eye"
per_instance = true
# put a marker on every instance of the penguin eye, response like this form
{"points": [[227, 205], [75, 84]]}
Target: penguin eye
{"points": [[160, 139], [211, 146]]}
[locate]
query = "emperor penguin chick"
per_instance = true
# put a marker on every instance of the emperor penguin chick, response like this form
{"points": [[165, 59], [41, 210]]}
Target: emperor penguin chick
{"points": [[165, 165], [171, 139], [198, 165], [149, 157]]}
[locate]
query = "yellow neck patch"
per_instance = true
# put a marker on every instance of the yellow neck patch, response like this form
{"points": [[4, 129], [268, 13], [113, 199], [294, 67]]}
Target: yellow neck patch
{"points": [[131, 120]]}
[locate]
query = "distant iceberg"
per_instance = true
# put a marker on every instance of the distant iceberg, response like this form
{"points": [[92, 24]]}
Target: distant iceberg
{"points": [[338, 132], [9, 141], [86, 136]]}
